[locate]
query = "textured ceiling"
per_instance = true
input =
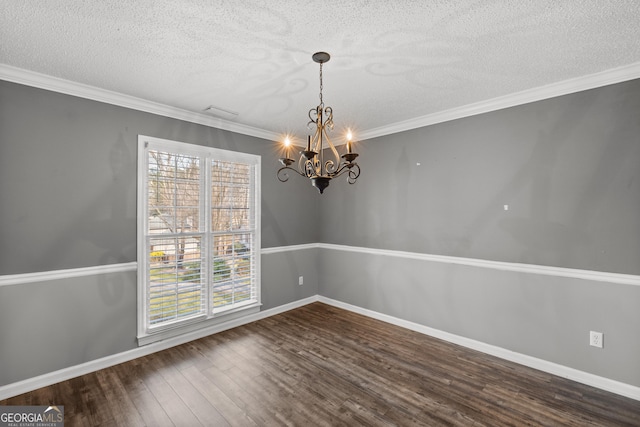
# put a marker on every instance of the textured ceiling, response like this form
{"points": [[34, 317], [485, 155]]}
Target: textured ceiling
{"points": [[391, 60]]}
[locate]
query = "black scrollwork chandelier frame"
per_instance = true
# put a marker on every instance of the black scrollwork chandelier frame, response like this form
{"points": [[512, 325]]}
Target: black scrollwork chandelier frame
{"points": [[312, 163]]}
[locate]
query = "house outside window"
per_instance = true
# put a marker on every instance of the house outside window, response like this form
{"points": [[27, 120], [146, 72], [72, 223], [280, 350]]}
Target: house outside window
{"points": [[198, 236]]}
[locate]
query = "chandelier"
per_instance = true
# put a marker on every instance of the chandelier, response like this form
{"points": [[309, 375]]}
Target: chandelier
{"points": [[312, 163]]}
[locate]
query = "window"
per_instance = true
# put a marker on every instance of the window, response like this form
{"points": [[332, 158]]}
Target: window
{"points": [[199, 237]]}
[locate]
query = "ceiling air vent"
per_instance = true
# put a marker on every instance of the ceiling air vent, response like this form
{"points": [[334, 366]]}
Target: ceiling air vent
{"points": [[221, 112]]}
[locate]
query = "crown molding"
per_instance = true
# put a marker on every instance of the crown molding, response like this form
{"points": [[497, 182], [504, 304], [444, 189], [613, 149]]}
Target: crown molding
{"points": [[591, 81], [68, 87]]}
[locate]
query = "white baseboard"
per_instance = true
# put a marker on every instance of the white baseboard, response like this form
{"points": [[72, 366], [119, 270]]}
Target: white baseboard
{"points": [[602, 383], [592, 380], [50, 378]]}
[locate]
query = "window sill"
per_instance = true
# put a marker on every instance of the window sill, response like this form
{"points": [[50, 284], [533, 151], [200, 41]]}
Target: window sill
{"points": [[199, 328]]}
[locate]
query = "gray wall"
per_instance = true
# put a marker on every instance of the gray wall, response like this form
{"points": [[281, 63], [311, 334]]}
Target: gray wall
{"points": [[68, 200], [68, 180], [54, 324], [546, 317], [569, 169]]}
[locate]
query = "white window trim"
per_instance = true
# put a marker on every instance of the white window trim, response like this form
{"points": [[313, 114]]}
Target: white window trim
{"points": [[146, 334]]}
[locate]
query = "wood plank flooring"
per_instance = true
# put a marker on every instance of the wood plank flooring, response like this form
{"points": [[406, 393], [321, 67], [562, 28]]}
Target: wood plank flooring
{"points": [[320, 365]]}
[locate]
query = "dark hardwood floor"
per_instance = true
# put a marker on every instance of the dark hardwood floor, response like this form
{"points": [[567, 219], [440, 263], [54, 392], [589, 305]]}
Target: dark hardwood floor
{"points": [[320, 365]]}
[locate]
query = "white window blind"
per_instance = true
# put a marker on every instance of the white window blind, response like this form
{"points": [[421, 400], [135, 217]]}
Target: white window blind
{"points": [[199, 217]]}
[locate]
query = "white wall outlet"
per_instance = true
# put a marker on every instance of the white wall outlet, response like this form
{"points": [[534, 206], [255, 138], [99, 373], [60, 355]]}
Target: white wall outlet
{"points": [[301, 280], [595, 339]]}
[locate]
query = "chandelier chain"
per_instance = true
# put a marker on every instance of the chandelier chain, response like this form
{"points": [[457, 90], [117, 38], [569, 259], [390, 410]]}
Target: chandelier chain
{"points": [[321, 101]]}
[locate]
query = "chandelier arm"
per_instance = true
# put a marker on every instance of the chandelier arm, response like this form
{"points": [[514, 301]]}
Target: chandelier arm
{"points": [[343, 168], [330, 165], [330, 168], [352, 169], [307, 167], [317, 166], [316, 140], [312, 120], [354, 173], [283, 175], [329, 121]]}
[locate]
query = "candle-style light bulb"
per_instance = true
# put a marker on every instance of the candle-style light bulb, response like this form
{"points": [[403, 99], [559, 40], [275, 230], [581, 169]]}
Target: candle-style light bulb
{"points": [[287, 144], [349, 142]]}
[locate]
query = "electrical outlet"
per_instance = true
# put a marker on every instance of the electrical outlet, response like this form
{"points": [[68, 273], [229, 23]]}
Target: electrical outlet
{"points": [[301, 280], [595, 339]]}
